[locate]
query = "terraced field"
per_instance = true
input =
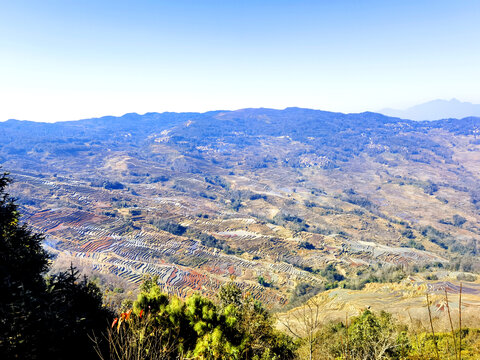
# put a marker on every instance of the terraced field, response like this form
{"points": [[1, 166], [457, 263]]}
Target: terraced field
{"points": [[270, 198], [406, 301]]}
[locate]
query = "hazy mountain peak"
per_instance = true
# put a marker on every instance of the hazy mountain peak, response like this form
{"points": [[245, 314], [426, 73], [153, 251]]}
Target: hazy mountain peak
{"points": [[436, 109]]}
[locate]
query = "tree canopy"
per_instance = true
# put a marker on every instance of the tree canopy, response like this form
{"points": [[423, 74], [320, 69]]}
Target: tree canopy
{"points": [[41, 317], [164, 327]]}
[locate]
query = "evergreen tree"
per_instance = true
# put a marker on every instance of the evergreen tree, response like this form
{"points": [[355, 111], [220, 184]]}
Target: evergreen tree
{"points": [[41, 318], [163, 327], [22, 287]]}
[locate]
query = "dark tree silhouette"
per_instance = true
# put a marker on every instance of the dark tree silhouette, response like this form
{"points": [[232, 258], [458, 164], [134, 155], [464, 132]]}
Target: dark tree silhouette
{"points": [[41, 318]]}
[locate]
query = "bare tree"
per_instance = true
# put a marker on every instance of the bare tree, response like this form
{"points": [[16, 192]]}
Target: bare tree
{"points": [[431, 326], [136, 339], [460, 323], [451, 324], [305, 323]]}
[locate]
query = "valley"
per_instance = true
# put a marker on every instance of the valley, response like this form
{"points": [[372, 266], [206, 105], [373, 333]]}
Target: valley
{"points": [[274, 199]]}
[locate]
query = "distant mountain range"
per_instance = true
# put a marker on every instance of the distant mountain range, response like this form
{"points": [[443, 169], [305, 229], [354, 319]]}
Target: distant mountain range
{"points": [[436, 110]]}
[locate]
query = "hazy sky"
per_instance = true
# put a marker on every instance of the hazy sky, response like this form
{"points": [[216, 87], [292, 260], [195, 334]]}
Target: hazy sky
{"points": [[71, 59]]}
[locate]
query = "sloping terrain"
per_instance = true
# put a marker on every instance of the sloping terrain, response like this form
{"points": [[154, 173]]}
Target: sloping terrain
{"points": [[270, 197], [406, 301]]}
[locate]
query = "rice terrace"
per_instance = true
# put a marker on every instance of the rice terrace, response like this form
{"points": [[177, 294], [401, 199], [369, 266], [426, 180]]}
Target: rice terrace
{"points": [[170, 188]]}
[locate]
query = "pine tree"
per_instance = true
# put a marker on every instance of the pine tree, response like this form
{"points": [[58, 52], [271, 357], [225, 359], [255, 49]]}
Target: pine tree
{"points": [[41, 318], [22, 264]]}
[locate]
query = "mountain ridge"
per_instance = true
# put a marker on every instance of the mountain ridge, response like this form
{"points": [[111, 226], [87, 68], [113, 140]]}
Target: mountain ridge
{"points": [[436, 110], [386, 112]]}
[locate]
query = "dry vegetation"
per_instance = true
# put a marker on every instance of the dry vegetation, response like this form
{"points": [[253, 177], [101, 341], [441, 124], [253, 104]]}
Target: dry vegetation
{"points": [[257, 199]]}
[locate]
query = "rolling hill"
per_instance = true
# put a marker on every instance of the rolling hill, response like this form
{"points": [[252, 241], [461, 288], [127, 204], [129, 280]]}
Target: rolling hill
{"points": [[274, 198]]}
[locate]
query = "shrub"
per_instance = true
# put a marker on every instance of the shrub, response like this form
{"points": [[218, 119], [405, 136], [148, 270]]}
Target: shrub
{"points": [[306, 245], [115, 185], [458, 220], [331, 274], [169, 226], [163, 327], [373, 336], [466, 277]]}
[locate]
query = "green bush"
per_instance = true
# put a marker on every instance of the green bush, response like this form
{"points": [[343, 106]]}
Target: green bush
{"points": [[169, 226], [163, 327]]}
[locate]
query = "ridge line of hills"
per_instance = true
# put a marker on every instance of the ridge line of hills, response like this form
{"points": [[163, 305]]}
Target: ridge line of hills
{"points": [[436, 109], [134, 115]]}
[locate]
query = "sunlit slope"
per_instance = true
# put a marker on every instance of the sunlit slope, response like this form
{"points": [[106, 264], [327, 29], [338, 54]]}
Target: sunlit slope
{"points": [[265, 196], [406, 301]]}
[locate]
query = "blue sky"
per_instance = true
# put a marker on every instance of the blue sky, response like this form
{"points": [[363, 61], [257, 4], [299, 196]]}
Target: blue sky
{"points": [[71, 59]]}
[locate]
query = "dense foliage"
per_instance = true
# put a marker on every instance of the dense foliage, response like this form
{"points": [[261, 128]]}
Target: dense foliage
{"points": [[163, 327], [41, 317]]}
